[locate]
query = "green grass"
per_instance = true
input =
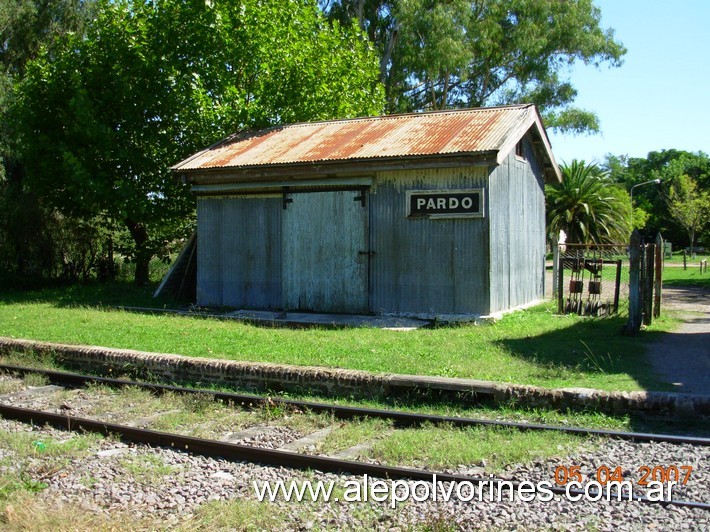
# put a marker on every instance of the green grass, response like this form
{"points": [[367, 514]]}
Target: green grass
{"points": [[349, 434], [677, 276], [29, 459], [237, 514], [27, 445], [677, 258], [489, 447], [35, 380], [25, 512], [149, 469], [535, 346]]}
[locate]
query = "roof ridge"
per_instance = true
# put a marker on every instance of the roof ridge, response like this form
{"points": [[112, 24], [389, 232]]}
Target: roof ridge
{"points": [[406, 115]]}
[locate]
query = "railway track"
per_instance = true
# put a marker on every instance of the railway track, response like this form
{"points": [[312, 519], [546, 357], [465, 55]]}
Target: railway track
{"points": [[284, 455], [400, 419]]}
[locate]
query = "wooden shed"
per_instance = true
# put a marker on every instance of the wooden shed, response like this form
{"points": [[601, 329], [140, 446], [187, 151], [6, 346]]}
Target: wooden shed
{"points": [[422, 214]]}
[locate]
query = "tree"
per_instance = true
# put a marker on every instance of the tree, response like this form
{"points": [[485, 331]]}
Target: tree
{"points": [[27, 225], [587, 206], [668, 166], [149, 83], [688, 206], [376, 18], [26, 26], [437, 55]]}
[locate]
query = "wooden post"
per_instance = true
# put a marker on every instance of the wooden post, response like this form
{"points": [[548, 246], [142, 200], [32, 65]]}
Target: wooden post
{"points": [[555, 263], [647, 288], [658, 284], [634, 323], [560, 287], [685, 260], [617, 286]]}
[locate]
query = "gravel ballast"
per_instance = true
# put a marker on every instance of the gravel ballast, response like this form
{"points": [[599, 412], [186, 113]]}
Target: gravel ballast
{"points": [[170, 486]]}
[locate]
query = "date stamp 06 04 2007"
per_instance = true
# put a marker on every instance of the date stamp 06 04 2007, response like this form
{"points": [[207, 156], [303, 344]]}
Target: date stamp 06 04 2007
{"points": [[653, 478]]}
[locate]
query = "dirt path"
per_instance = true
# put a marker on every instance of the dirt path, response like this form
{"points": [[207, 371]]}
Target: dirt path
{"points": [[683, 357]]}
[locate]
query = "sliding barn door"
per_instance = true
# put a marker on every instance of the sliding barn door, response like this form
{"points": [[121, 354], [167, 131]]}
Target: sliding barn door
{"points": [[324, 252]]}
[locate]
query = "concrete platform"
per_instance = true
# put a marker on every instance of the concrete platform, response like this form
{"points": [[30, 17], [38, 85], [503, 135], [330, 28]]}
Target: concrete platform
{"points": [[314, 319], [294, 319]]}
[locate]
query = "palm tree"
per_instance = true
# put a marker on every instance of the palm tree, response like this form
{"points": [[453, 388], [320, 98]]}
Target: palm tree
{"points": [[587, 206]]}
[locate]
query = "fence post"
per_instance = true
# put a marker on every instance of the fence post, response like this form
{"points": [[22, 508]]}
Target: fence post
{"points": [[555, 260], [649, 258], [685, 260], [617, 286], [560, 286], [659, 277], [634, 323]]}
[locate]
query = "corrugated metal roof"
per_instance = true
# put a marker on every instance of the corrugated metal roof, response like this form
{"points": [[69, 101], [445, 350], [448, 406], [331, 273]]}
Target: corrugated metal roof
{"points": [[421, 134]]}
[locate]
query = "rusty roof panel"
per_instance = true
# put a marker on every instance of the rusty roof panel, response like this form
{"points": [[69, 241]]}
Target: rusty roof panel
{"points": [[421, 134]]}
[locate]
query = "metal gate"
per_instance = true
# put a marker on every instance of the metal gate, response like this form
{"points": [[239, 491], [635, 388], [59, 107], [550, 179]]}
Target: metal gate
{"points": [[324, 251], [592, 280], [599, 280]]}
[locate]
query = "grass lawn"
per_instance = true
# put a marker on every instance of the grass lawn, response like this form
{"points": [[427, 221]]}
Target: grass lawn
{"points": [[676, 276], [534, 346]]}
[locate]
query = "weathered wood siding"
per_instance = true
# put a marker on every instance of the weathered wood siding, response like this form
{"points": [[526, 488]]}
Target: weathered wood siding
{"points": [[422, 265], [239, 251], [517, 244], [324, 234], [314, 254]]}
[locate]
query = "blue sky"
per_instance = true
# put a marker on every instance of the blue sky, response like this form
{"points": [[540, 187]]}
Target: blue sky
{"points": [[660, 97]]}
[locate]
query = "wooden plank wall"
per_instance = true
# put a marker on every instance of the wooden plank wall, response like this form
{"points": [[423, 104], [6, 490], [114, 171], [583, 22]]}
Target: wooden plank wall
{"points": [[239, 251], [418, 266], [422, 265], [517, 217], [323, 269]]}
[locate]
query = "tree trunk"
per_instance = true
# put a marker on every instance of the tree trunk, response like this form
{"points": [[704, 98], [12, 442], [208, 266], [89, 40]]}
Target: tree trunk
{"points": [[691, 234], [359, 14], [143, 254], [387, 55]]}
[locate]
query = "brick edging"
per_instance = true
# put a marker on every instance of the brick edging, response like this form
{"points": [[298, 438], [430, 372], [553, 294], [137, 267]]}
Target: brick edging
{"points": [[260, 376]]}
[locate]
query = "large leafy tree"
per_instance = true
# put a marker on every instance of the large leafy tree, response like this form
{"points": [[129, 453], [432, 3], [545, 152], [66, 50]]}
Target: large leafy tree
{"points": [[587, 206], [27, 26], [688, 206], [150, 82], [669, 166], [27, 243], [437, 55]]}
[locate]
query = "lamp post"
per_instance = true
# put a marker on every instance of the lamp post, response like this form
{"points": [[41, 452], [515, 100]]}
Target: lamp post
{"points": [[631, 192]]}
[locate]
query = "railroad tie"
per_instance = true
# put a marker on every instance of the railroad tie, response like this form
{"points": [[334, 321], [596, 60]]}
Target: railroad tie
{"points": [[29, 393], [250, 432], [308, 440]]}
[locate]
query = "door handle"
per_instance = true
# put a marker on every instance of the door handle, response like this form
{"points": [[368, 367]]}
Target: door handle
{"points": [[369, 253]]}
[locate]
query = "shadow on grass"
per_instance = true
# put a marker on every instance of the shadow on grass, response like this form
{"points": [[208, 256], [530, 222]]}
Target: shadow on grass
{"points": [[92, 295], [591, 345], [597, 346], [583, 346], [677, 277]]}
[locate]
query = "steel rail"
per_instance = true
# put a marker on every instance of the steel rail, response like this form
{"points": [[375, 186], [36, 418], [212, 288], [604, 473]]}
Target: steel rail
{"points": [[272, 457], [400, 419]]}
